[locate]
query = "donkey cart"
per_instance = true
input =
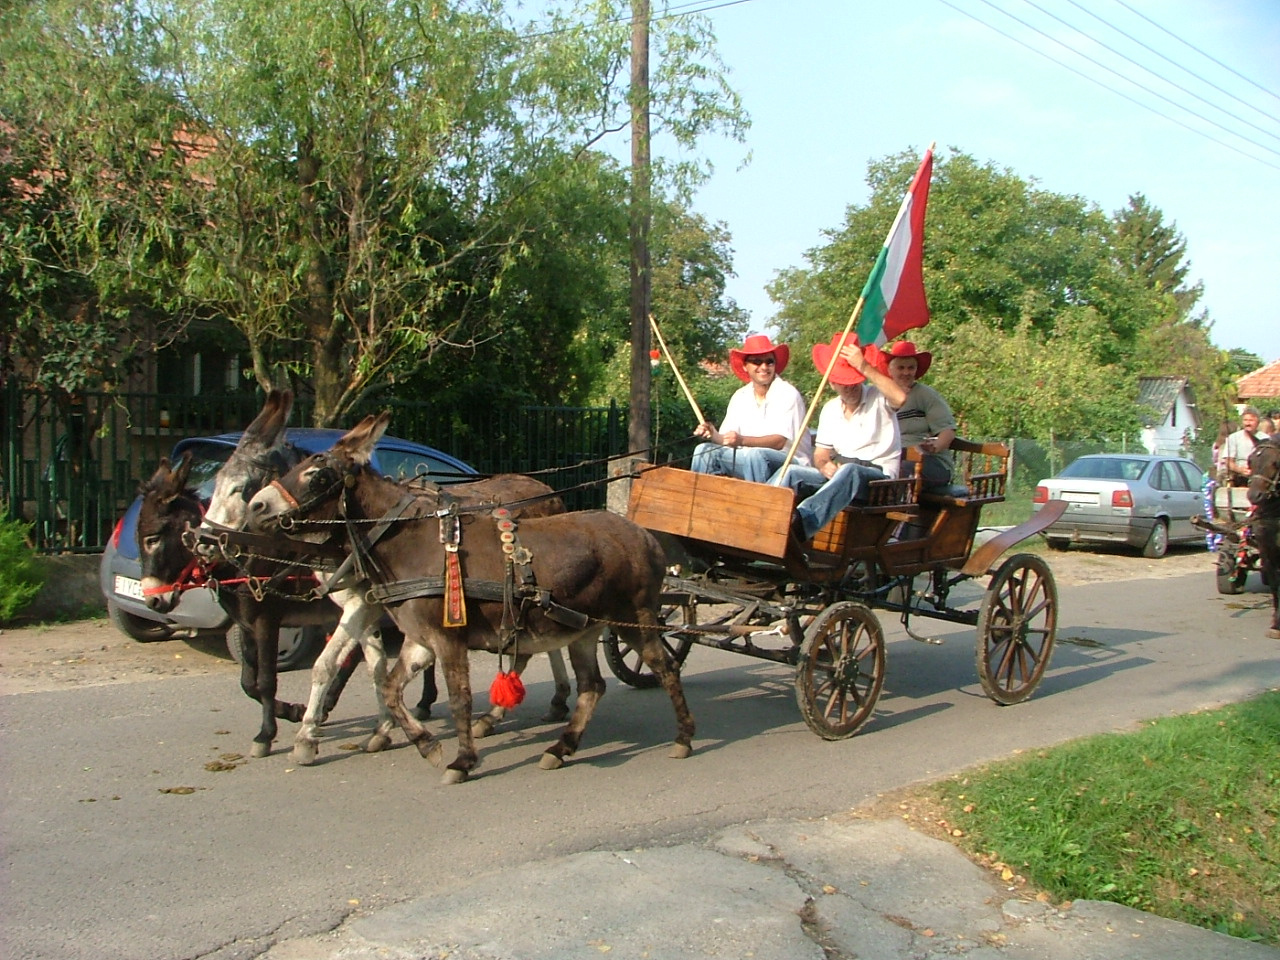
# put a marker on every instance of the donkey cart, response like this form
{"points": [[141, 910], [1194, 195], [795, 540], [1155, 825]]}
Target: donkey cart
{"points": [[741, 581]]}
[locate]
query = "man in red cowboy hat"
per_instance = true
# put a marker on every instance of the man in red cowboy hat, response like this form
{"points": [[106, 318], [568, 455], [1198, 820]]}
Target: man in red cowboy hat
{"points": [[857, 441], [925, 419], [763, 418]]}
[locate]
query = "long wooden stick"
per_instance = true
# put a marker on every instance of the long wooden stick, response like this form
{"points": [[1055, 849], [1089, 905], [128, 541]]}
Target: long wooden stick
{"points": [[817, 394], [697, 411]]}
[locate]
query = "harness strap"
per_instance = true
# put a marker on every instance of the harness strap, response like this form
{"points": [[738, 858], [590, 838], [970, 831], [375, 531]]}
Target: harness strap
{"points": [[491, 590]]}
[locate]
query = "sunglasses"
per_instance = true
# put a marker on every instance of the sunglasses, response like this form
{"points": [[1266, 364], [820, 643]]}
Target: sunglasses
{"points": [[758, 361]]}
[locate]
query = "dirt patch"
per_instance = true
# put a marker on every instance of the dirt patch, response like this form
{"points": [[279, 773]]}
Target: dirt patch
{"points": [[59, 655], [56, 656]]}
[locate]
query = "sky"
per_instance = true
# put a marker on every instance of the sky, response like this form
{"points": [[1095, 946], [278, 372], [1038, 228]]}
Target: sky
{"points": [[832, 84]]}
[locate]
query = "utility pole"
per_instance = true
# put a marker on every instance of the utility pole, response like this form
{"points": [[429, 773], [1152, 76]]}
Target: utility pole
{"points": [[638, 427], [641, 376]]}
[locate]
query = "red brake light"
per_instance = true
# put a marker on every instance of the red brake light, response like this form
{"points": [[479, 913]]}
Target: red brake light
{"points": [[1041, 495], [1121, 498], [115, 534]]}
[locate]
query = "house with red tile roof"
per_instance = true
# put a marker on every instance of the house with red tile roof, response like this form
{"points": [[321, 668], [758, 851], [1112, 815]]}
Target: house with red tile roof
{"points": [[1261, 384]]}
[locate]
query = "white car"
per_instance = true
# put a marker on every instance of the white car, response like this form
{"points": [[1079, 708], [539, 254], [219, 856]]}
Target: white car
{"points": [[1135, 499]]}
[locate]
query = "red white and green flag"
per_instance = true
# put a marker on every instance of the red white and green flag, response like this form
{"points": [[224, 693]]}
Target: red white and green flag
{"points": [[893, 299]]}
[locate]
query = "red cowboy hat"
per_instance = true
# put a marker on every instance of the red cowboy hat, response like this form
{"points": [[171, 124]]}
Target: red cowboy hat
{"points": [[841, 373], [905, 349], [756, 345]]}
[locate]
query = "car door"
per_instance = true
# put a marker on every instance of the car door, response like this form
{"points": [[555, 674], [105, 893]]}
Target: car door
{"points": [[1173, 498]]}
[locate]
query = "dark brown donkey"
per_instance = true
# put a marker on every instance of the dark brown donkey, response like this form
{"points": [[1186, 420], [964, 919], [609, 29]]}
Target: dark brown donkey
{"points": [[541, 584]]}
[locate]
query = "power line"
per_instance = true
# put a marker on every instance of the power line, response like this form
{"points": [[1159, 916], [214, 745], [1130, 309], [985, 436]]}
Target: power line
{"points": [[1119, 93], [1128, 59], [1182, 67], [1199, 51], [1112, 70]]}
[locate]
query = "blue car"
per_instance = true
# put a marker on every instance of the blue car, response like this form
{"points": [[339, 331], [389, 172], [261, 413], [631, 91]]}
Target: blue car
{"points": [[198, 612]]}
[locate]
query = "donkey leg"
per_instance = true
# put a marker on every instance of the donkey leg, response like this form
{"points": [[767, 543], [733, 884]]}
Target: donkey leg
{"points": [[376, 657], [324, 674], [413, 657], [430, 694], [559, 709], [586, 669], [348, 665], [453, 660], [259, 680], [484, 724], [654, 654]]}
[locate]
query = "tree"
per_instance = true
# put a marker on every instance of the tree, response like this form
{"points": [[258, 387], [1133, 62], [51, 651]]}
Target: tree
{"points": [[368, 191], [1081, 304], [86, 157]]}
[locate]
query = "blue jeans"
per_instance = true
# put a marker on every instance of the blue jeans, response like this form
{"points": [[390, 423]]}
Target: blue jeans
{"points": [[756, 464], [847, 484]]}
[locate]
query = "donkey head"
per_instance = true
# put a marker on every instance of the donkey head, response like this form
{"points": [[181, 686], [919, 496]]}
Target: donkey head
{"points": [[311, 489], [261, 454], [168, 510]]}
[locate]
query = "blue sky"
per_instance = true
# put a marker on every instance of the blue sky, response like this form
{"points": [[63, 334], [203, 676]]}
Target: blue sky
{"points": [[831, 84]]}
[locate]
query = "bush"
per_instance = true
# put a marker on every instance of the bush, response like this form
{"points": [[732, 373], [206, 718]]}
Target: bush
{"points": [[20, 572]]}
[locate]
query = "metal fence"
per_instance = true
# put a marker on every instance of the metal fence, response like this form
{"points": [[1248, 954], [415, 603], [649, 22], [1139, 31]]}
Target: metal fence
{"points": [[72, 463]]}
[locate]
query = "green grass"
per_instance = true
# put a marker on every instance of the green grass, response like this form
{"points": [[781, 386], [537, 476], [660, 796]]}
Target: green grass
{"points": [[1180, 819]]}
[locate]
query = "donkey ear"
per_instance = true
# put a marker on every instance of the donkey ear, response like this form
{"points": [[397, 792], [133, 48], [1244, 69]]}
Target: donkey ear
{"points": [[358, 442], [269, 425], [184, 470]]}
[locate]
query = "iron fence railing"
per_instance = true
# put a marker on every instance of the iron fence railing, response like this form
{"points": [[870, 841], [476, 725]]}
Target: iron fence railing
{"points": [[71, 464]]}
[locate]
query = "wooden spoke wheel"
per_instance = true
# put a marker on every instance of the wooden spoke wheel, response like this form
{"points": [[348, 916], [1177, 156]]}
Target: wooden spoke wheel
{"points": [[624, 657], [1016, 628], [840, 670]]}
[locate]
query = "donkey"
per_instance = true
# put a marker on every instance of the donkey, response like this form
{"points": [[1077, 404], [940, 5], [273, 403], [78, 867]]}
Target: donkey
{"points": [[541, 584], [1264, 527], [261, 454]]}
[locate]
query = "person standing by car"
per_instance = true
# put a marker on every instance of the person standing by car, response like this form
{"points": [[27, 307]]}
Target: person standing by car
{"points": [[858, 439], [764, 416], [925, 419], [1235, 452]]}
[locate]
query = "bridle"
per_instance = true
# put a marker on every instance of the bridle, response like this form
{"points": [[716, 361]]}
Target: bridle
{"points": [[1270, 483]]}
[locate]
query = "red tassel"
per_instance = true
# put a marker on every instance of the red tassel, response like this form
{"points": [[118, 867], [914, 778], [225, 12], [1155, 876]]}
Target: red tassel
{"points": [[507, 690]]}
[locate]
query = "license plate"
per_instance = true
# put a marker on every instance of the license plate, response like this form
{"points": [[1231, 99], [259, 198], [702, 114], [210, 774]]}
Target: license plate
{"points": [[1089, 498], [128, 587]]}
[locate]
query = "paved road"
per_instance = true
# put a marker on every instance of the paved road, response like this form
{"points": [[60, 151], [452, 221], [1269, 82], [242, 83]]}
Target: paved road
{"points": [[103, 859]]}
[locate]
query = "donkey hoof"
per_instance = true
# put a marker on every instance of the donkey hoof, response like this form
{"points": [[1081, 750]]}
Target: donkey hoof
{"points": [[452, 776], [304, 752], [377, 743], [433, 752], [1274, 634], [556, 715], [680, 751], [551, 761], [260, 750], [421, 714], [482, 728]]}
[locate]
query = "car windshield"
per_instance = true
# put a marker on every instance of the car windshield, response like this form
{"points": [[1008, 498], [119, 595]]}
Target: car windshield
{"points": [[206, 460], [1105, 468]]}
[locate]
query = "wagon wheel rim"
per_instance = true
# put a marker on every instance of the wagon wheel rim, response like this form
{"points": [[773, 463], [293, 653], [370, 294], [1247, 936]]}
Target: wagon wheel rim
{"points": [[624, 659], [840, 670], [1017, 625]]}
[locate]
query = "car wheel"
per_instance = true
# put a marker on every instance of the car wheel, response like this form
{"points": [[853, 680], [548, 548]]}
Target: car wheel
{"points": [[299, 646], [139, 628], [1158, 543], [1230, 577]]}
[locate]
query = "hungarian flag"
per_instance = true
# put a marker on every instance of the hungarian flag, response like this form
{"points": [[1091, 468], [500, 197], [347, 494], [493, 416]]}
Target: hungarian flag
{"points": [[893, 299]]}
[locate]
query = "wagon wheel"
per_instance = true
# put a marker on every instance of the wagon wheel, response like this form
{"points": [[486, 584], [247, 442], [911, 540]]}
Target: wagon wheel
{"points": [[1016, 628], [1231, 573], [624, 658], [840, 670]]}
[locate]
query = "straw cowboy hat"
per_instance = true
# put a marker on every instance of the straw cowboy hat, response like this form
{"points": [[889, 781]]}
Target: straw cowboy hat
{"points": [[757, 345], [841, 374], [904, 349]]}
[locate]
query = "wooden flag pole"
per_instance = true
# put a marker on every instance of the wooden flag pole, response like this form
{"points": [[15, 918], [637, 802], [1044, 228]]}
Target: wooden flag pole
{"points": [[697, 411], [826, 376]]}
